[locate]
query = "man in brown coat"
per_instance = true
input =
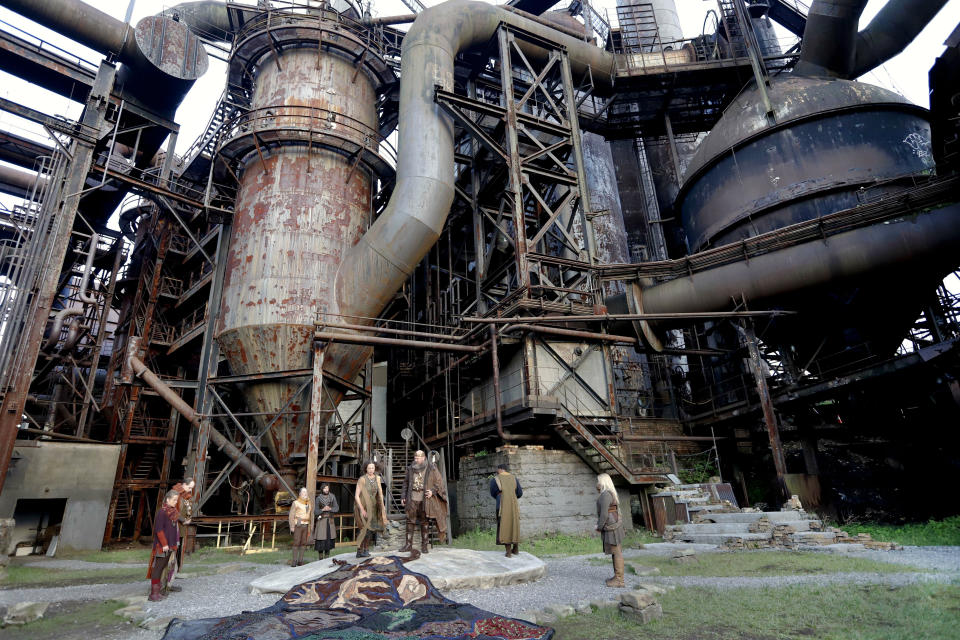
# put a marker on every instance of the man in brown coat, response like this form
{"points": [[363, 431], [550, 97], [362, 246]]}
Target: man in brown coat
{"points": [[435, 504], [422, 486]]}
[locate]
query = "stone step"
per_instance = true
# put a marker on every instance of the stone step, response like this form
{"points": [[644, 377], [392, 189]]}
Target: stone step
{"points": [[720, 538], [819, 537], [776, 517], [736, 527]]}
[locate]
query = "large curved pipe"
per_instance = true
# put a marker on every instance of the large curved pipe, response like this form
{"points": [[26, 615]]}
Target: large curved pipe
{"points": [[845, 255], [387, 254], [890, 31], [829, 38], [832, 47], [248, 466]]}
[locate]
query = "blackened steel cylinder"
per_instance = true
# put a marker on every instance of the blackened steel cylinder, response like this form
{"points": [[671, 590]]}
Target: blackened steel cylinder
{"points": [[830, 138], [304, 198]]}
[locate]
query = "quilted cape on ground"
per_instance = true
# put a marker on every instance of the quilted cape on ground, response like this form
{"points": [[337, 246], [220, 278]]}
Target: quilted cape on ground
{"points": [[377, 599]]}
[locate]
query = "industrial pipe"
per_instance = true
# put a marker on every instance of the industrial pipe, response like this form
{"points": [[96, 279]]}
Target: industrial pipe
{"points": [[351, 338], [388, 253], [818, 262], [209, 18], [832, 47], [18, 182], [829, 38], [267, 481], [84, 297], [162, 59], [897, 25]]}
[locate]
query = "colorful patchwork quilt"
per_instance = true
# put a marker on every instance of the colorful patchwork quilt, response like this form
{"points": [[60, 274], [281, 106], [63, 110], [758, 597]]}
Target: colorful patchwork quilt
{"points": [[378, 599]]}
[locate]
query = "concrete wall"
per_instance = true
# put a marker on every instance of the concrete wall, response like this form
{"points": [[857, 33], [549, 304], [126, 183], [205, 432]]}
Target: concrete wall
{"points": [[559, 491], [82, 474]]}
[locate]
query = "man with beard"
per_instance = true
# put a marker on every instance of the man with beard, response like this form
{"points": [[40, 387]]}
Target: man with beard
{"points": [[419, 486]]}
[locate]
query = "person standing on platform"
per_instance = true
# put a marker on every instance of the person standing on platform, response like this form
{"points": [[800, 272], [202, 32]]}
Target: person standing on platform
{"points": [[166, 539], [325, 531], [412, 497], [506, 489], [369, 511], [610, 526], [301, 514], [435, 502]]}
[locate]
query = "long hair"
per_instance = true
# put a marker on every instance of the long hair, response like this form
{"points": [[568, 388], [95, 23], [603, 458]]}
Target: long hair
{"points": [[605, 483], [367, 463]]}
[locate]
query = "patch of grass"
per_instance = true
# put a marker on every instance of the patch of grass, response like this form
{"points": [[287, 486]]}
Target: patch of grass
{"points": [[934, 532], [86, 619], [18, 576], [835, 612], [551, 544], [137, 555], [764, 563]]}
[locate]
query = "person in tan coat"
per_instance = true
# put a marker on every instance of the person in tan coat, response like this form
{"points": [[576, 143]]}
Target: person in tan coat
{"points": [[369, 510], [507, 490], [301, 514]]}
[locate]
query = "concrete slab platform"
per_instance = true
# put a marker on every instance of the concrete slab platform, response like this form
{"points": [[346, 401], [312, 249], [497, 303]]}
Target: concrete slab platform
{"points": [[447, 568], [776, 517]]}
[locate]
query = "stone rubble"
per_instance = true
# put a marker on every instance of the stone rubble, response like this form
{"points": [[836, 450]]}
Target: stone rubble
{"points": [[24, 612], [640, 606]]}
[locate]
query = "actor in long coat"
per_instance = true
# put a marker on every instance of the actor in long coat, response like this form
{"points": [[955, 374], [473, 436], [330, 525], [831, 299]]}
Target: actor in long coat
{"points": [[325, 529], [166, 539], [506, 489], [423, 497], [435, 504], [610, 526], [184, 508], [369, 511]]}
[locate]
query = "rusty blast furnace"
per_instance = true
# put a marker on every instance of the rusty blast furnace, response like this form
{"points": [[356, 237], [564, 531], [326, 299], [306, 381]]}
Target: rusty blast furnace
{"points": [[662, 254]]}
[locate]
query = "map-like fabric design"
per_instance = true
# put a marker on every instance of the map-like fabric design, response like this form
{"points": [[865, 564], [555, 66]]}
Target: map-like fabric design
{"points": [[374, 600]]}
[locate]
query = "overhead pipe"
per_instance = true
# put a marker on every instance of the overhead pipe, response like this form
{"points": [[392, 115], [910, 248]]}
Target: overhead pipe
{"points": [[18, 182], [897, 24], [844, 255], [832, 47], [827, 47], [248, 466], [162, 60], [387, 254], [83, 296]]}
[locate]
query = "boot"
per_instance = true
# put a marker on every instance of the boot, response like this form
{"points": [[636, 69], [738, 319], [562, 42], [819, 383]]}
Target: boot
{"points": [[508, 550], [617, 580], [171, 588], [362, 551], [299, 554], [293, 558], [424, 537], [155, 595], [411, 527], [516, 549]]}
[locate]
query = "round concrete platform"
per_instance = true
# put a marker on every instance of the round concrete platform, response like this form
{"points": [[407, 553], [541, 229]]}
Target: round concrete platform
{"points": [[446, 567]]}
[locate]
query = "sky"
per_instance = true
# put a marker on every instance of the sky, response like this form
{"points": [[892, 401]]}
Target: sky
{"points": [[906, 73]]}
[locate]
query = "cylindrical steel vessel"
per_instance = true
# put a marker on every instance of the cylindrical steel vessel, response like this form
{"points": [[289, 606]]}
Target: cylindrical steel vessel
{"points": [[304, 199], [830, 138]]}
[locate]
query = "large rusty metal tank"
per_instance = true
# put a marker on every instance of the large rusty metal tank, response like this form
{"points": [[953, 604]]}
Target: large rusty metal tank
{"points": [[307, 155]]}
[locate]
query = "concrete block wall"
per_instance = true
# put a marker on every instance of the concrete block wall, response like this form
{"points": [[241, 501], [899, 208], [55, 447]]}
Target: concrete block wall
{"points": [[559, 491]]}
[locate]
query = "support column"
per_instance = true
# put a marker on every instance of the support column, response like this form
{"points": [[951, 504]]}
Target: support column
{"points": [[316, 422], [14, 400], [766, 403]]}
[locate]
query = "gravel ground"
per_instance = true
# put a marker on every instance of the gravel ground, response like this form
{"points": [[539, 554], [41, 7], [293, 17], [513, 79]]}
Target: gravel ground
{"points": [[568, 581]]}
